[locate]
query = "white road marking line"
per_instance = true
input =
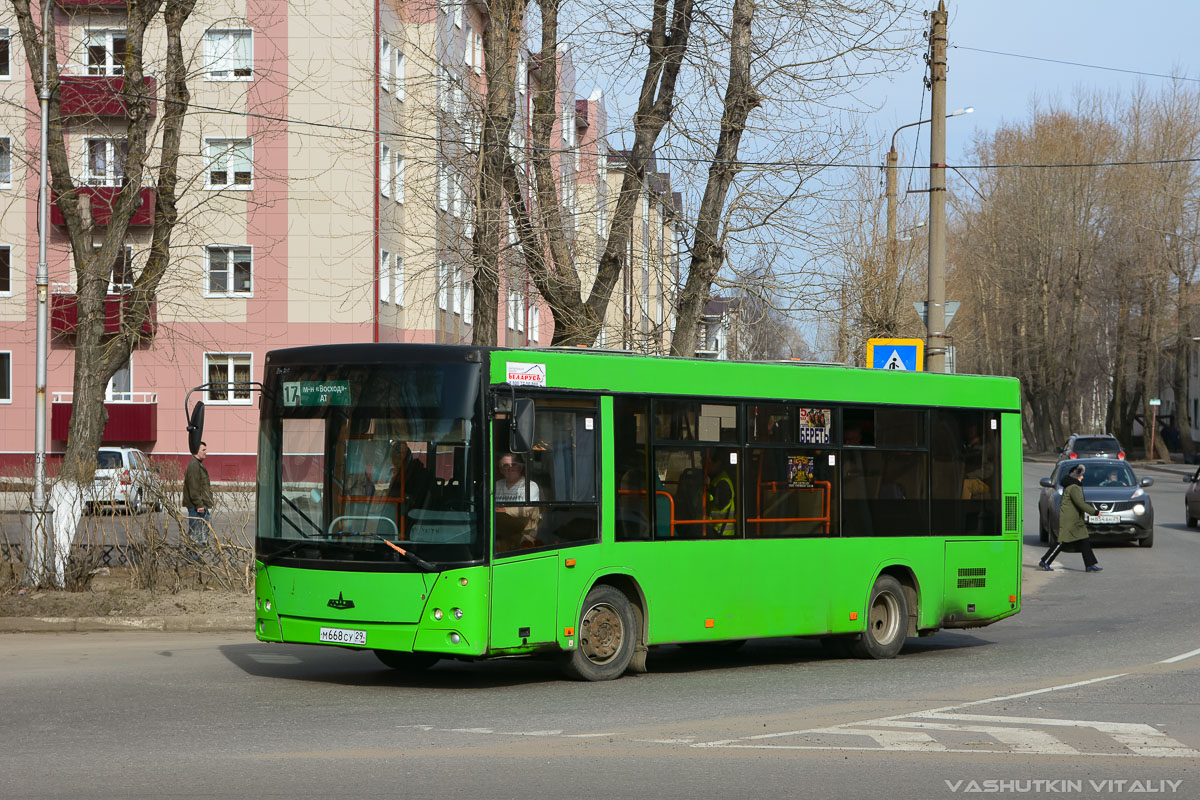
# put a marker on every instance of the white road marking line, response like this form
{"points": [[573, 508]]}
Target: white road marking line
{"points": [[1019, 740], [890, 740], [665, 741], [1180, 657], [529, 733], [586, 735]]}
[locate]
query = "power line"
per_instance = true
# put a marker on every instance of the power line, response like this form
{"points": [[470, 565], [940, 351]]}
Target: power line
{"points": [[1076, 63]]}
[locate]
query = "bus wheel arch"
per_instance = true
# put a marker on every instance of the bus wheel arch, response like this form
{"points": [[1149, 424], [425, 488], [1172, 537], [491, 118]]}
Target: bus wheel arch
{"points": [[908, 582], [613, 611]]}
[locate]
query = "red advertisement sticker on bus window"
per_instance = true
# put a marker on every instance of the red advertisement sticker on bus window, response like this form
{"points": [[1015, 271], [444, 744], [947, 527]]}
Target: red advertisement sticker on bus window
{"points": [[814, 425], [521, 374]]}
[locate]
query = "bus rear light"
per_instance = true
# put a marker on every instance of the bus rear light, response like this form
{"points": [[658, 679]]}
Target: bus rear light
{"points": [[853, 615], [1012, 598]]}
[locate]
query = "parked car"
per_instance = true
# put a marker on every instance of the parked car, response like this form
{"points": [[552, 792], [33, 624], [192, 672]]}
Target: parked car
{"points": [[1191, 500], [125, 477], [1126, 513], [1092, 446]]}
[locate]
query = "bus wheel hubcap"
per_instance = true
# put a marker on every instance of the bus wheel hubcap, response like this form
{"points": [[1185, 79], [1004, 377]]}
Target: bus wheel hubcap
{"points": [[600, 633], [884, 619]]}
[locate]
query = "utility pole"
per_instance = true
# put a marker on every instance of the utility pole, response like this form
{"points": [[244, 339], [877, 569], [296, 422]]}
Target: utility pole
{"points": [[891, 257], [935, 343]]}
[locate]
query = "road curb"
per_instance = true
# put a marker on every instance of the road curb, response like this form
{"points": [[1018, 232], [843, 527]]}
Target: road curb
{"points": [[173, 624]]}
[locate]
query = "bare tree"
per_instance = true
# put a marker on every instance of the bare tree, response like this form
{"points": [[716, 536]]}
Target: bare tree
{"points": [[97, 356]]}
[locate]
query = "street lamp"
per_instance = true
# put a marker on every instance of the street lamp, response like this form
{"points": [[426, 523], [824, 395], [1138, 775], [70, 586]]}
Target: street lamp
{"points": [[893, 159]]}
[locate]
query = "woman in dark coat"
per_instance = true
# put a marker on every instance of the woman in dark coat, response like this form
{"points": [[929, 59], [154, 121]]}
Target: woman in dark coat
{"points": [[1072, 529]]}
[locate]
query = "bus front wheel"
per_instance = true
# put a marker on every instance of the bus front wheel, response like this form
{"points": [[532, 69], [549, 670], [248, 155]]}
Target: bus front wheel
{"points": [[406, 662], [607, 635], [887, 620]]}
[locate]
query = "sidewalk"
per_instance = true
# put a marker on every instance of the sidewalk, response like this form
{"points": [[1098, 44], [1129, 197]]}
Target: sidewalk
{"points": [[174, 624]]}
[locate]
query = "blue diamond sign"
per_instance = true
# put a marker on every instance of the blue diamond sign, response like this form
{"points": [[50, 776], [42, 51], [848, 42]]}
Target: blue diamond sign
{"points": [[906, 355]]}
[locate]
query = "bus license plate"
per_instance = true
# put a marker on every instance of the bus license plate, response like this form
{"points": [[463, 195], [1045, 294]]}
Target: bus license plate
{"points": [[343, 636], [1105, 519]]}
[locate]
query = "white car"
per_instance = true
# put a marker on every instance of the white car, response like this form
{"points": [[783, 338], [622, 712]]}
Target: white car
{"points": [[125, 476]]}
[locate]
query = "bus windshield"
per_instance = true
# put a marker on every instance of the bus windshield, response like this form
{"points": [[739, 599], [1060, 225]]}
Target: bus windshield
{"points": [[360, 463]]}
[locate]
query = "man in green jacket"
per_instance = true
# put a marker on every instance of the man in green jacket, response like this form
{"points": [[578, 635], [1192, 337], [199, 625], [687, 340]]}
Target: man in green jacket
{"points": [[198, 498], [1071, 524]]}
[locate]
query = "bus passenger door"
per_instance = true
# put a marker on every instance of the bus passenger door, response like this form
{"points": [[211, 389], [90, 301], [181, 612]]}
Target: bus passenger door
{"points": [[524, 601]]}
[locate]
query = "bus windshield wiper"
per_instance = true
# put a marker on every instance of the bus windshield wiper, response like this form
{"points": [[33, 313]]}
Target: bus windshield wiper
{"points": [[411, 556]]}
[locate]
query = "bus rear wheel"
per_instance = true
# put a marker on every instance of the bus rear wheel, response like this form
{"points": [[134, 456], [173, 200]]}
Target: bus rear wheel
{"points": [[887, 620], [607, 635], [406, 662]]}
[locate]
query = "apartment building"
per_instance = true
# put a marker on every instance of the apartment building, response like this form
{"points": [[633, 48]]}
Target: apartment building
{"points": [[327, 195]]}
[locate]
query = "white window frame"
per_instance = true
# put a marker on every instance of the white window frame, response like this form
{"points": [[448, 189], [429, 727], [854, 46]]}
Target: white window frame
{"points": [[398, 279], [113, 286], [457, 289], [110, 67], [116, 150], [535, 323], [230, 361], [221, 151], [7, 250], [512, 308], [230, 252], [111, 393], [468, 301], [5, 162], [6, 51], [385, 170], [398, 176], [385, 66], [458, 13], [6, 376], [237, 56], [443, 289], [443, 185], [385, 277], [400, 66]]}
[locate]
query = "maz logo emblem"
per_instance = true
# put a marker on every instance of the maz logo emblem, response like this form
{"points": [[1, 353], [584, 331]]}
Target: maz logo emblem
{"points": [[340, 603]]}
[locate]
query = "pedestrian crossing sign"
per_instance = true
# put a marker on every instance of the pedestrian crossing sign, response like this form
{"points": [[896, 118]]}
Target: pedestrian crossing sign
{"points": [[899, 354]]}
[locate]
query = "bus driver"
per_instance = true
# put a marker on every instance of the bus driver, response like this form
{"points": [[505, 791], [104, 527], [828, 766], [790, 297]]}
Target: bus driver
{"points": [[516, 525]]}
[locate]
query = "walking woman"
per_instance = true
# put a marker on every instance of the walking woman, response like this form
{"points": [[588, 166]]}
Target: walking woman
{"points": [[1072, 530]]}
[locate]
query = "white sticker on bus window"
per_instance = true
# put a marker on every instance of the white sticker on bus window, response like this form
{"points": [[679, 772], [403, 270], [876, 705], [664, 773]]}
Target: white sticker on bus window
{"points": [[733, 458], [587, 423], [994, 424], [832, 459]]}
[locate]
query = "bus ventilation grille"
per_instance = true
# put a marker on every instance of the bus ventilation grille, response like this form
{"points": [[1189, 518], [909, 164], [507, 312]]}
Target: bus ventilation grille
{"points": [[972, 577], [1012, 516]]}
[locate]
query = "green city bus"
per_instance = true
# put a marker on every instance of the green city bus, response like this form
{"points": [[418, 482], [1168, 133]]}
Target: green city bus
{"points": [[436, 501]]}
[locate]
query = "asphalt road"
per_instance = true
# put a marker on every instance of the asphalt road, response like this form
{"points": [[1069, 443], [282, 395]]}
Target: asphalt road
{"points": [[1089, 692]]}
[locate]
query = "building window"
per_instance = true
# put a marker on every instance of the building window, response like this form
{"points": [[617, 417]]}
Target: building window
{"points": [[535, 323], [443, 285], [5, 271], [5, 162], [398, 176], [385, 277], [231, 369], [443, 186], [228, 55], [401, 64], [229, 163], [398, 279], [230, 271], [468, 301], [385, 66], [6, 376], [120, 385], [120, 277], [385, 170], [5, 68], [104, 52], [105, 161]]}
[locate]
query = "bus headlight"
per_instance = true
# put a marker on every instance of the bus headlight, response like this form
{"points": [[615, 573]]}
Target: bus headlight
{"points": [[437, 613], [1139, 509], [457, 612]]}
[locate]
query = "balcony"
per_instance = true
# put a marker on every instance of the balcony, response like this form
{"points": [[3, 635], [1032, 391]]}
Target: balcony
{"points": [[100, 201], [64, 313], [90, 3], [132, 418], [98, 95]]}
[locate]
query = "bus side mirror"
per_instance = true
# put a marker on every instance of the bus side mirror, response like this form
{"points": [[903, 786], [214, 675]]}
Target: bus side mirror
{"points": [[521, 434], [195, 427]]}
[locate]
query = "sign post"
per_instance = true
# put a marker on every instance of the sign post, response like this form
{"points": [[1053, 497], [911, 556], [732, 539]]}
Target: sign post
{"points": [[898, 354], [1154, 404]]}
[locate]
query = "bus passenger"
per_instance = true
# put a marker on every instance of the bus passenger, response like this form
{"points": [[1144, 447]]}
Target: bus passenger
{"points": [[719, 499], [516, 525]]}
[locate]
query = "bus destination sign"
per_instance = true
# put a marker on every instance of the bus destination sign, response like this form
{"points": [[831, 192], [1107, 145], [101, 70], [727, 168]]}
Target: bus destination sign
{"points": [[316, 393]]}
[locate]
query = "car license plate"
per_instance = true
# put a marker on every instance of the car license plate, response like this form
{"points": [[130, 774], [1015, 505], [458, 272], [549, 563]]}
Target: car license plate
{"points": [[342, 636], [1104, 519]]}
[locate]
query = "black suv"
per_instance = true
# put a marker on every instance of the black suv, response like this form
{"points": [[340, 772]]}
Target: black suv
{"points": [[1092, 446]]}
